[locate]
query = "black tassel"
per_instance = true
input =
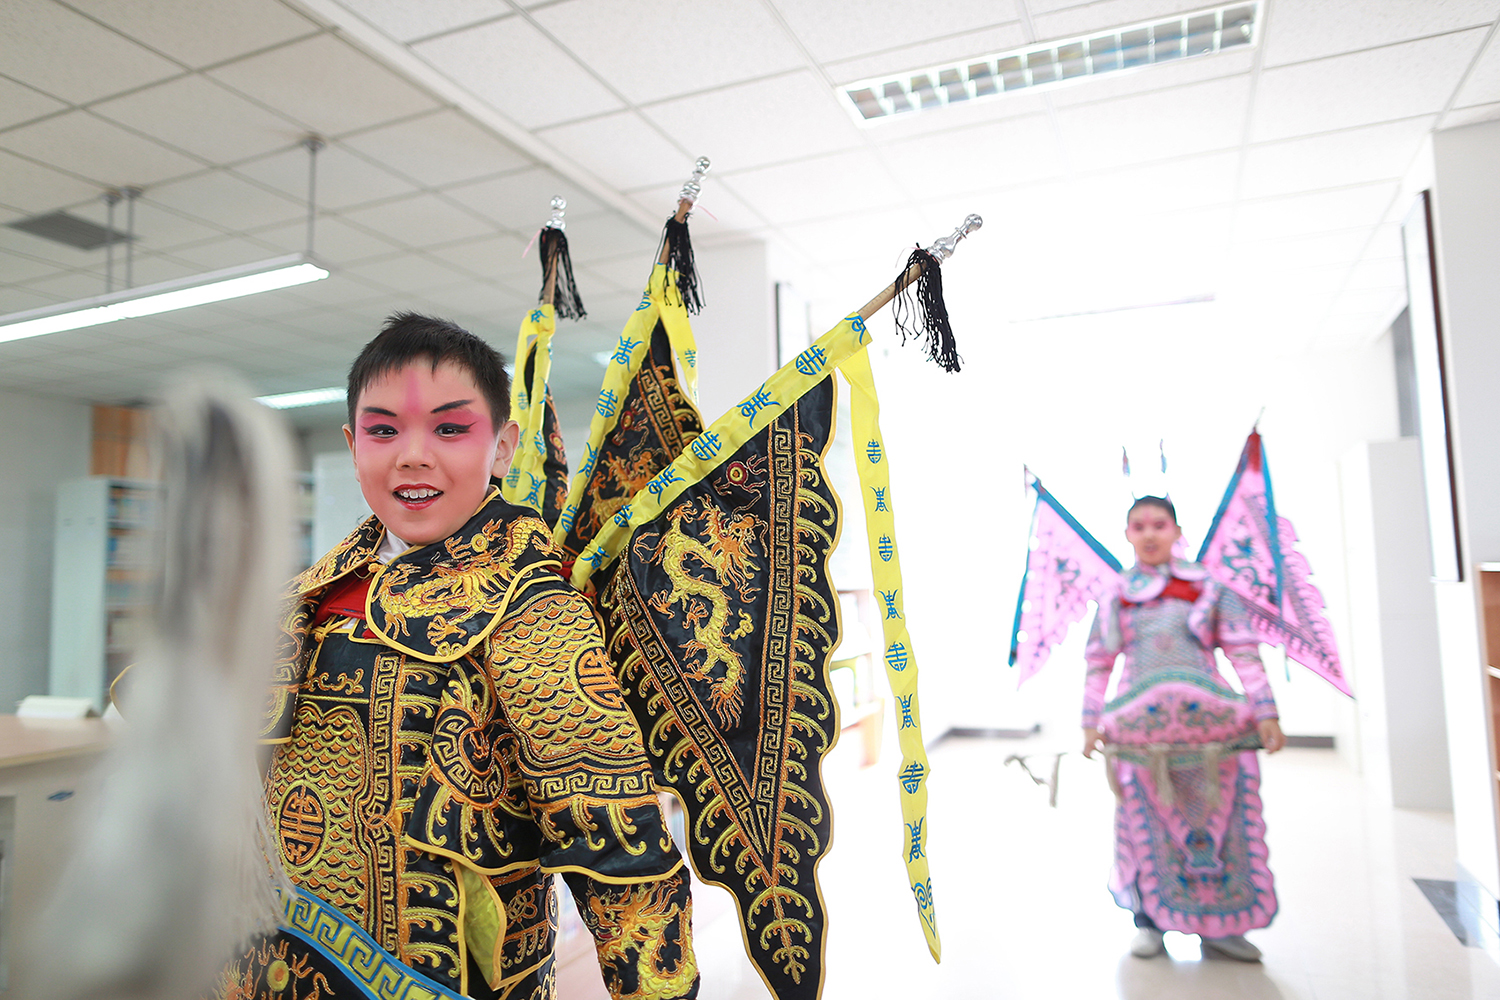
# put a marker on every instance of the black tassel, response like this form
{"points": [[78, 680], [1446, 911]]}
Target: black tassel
{"points": [[924, 314], [554, 250], [680, 259]]}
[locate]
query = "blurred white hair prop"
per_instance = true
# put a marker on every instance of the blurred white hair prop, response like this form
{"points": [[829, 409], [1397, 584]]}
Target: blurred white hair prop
{"points": [[178, 867]]}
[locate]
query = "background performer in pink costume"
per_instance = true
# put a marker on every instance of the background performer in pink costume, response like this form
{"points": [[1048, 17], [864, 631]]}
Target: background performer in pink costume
{"points": [[1190, 851]]}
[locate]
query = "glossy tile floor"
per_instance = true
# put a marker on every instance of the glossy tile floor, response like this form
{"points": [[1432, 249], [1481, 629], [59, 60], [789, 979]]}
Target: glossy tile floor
{"points": [[1024, 913]]}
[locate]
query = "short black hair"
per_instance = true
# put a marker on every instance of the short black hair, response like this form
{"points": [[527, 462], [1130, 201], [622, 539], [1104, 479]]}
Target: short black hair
{"points": [[408, 336], [1149, 501]]}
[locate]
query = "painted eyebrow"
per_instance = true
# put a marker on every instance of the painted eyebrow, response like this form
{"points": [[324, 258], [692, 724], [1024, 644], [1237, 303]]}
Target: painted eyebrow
{"points": [[455, 405], [377, 410]]}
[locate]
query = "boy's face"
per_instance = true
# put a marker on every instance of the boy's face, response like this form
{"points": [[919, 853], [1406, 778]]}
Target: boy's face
{"points": [[424, 447], [1151, 531]]}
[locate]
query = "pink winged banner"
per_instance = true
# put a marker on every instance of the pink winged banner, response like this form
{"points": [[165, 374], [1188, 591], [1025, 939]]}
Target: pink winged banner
{"points": [[1065, 570], [1251, 550]]}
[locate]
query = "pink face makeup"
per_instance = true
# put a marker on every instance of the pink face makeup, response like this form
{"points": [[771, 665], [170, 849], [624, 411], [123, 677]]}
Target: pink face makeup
{"points": [[423, 446], [1151, 531]]}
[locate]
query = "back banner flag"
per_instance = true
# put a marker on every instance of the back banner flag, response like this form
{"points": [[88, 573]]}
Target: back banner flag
{"points": [[644, 417], [720, 617], [538, 476]]}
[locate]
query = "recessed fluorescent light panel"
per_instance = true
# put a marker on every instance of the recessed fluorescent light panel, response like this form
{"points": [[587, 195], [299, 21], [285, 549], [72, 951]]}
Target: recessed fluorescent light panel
{"points": [[306, 397], [1046, 64], [148, 300]]}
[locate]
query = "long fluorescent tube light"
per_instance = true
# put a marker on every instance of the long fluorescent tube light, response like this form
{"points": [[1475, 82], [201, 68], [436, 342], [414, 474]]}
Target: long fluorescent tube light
{"points": [[148, 300], [304, 397], [1182, 36]]}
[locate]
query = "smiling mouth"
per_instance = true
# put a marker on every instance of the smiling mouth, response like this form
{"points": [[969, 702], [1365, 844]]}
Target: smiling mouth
{"points": [[416, 497]]}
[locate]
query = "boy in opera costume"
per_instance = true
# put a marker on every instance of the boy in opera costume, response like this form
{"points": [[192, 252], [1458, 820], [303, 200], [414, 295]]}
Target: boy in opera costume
{"points": [[448, 730]]}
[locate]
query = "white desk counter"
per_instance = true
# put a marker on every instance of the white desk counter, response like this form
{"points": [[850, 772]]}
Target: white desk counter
{"points": [[46, 784]]}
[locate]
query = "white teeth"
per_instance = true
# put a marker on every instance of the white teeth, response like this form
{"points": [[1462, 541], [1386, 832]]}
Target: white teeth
{"points": [[420, 494]]}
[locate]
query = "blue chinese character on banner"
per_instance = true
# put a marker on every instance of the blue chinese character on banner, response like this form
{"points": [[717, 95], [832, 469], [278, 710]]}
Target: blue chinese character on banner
{"points": [[664, 478], [691, 357], [624, 349], [706, 445], [536, 315], [858, 323], [588, 463], [911, 777], [758, 401], [895, 656], [622, 516], [872, 450], [906, 720], [607, 401], [812, 360], [886, 548], [645, 300], [914, 852], [889, 597], [534, 495], [880, 497]]}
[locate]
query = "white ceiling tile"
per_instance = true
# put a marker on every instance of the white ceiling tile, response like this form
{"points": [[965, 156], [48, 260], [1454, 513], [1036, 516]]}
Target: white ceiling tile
{"points": [[33, 189], [1000, 155], [419, 221], [406, 272], [883, 236], [1150, 190], [1333, 159], [17, 299], [1194, 118], [843, 30], [502, 63], [492, 312], [718, 214], [1310, 214], [521, 201], [149, 268], [59, 52], [1399, 81], [1483, 84], [925, 55], [640, 50], [65, 286], [1149, 78], [1377, 273], [203, 118], [343, 179], [437, 149], [335, 241], [1302, 252], [18, 268], [1459, 117], [1299, 31], [597, 145], [495, 257], [1087, 18], [827, 186], [409, 20], [326, 85], [603, 236], [157, 228], [218, 198], [83, 144], [227, 252], [200, 34], [19, 103], [752, 124]]}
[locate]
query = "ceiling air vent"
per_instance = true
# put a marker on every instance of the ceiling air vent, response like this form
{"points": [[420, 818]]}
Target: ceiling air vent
{"points": [[1045, 64], [60, 227]]}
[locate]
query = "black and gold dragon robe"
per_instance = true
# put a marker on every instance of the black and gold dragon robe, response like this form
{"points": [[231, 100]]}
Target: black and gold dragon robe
{"points": [[438, 757]]}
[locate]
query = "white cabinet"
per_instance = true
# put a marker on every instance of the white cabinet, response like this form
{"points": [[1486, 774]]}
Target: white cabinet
{"points": [[100, 566]]}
